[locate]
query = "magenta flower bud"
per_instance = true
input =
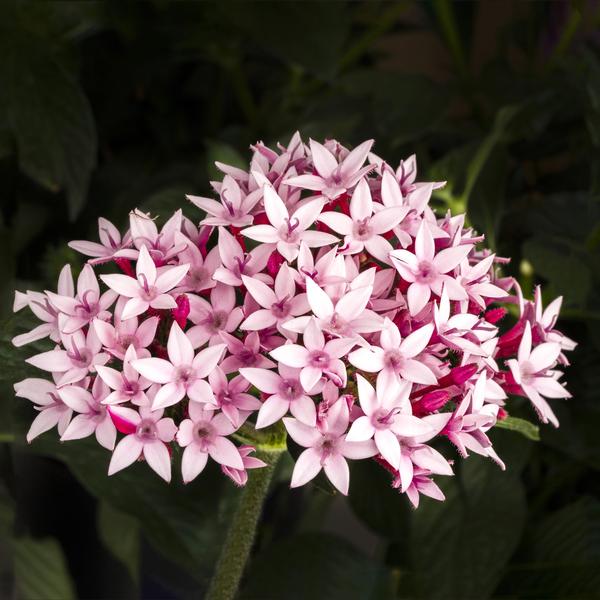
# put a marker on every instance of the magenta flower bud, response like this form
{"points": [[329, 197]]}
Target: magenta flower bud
{"points": [[495, 314], [459, 375], [430, 402], [181, 313], [274, 263]]}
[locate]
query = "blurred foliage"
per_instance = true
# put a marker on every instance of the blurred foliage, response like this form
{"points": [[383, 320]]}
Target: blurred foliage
{"points": [[108, 106]]}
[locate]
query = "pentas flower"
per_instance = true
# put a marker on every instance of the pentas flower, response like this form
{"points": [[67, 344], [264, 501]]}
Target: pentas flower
{"points": [[148, 289], [205, 434], [110, 244], [327, 448], [531, 371], [286, 393], [333, 178], [363, 229], [384, 419], [395, 357], [286, 231], [378, 336], [183, 374], [427, 271], [316, 358], [93, 416], [148, 433]]}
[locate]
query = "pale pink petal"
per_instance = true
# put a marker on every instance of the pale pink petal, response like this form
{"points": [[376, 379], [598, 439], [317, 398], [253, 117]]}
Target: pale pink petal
{"points": [[379, 248], [417, 341], [549, 387], [356, 158], [262, 233], [122, 284], [168, 395], [525, 345], [309, 377], [80, 427], [313, 336], [127, 451], [353, 303], [385, 220], [307, 213], [366, 395], [134, 307], [179, 347], [544, 356], [324, 162], [261, 292], [163, 302], [201, 392], [272, 410], [358, 450], [226, 453], [193, 462], [154, 369], [170, 277], [303, 408], [145, 265], [320, 302], [158, 458], [337, 471], [424, 244], [302, 434], [111, 377], [417, 372], [337, 221], [291, 355], [309, 182], [306, 468], [361, 430], [450, 258], [207, 359], [418, 295], [263, 379], [76, 397], [388, 446], [274, 207], [56, 361], [367, 359]]}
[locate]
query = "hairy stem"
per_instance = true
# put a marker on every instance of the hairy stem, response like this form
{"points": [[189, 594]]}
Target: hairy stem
{"points": [[240, 536]]}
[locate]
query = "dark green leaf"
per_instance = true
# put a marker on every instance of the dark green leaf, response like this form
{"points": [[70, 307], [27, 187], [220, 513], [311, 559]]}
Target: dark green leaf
{"points": [[460, 547], [319, 567], [50, 118], [41, 571]]}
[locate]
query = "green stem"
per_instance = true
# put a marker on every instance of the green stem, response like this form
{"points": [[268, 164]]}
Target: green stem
{"points": [[240, 537]]}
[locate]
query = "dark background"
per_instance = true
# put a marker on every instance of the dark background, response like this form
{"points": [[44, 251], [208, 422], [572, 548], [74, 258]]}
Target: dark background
{"points": [[109, 106]]}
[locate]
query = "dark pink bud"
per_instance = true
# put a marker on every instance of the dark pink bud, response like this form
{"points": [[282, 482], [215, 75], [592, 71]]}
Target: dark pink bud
{"points": [[122, 425], [430, 402], [459, 375], [125, 266], [180, 314], [495, 314], [274, 263], [205, 231], [502, 414]]}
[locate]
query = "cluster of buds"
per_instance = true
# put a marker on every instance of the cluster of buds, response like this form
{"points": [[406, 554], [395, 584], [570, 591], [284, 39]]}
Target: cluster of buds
{"points": [[320, 290]]}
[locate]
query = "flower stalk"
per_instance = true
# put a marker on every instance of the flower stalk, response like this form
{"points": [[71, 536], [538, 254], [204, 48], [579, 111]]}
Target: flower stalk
{"points": [[240, 536]]}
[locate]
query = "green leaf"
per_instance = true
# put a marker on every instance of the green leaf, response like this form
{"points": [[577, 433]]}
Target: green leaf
{"points": [[120, 533], [316, 566], [525, 428], [563, 560], [184, 523], [41, 571], [459, 548], [49, 116]]}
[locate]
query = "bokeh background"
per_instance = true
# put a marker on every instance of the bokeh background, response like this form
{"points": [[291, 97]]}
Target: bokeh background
{"points": [[107, 106]]}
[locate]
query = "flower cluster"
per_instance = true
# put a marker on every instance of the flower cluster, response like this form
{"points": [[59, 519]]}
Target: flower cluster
{"points": [[319, 290]]}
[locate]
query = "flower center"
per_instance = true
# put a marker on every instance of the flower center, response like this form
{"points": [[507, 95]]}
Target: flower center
{"points": [[198, 277], [146, 430], [319, 359], [288, 232], [393, 359], [203, 432], [218, 320], [281, 309], [527, 373], [290, 389], [427, 272], [185, 375], [362, 229]]}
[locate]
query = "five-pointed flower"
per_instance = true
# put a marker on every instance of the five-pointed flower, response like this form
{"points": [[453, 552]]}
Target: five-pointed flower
{"points": [[363, 229], [204, 434], [316, 358], [148, 288], [288, 232], [147, 435], [183, 373], [395, 357], [427, 272], [327, 448]]}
